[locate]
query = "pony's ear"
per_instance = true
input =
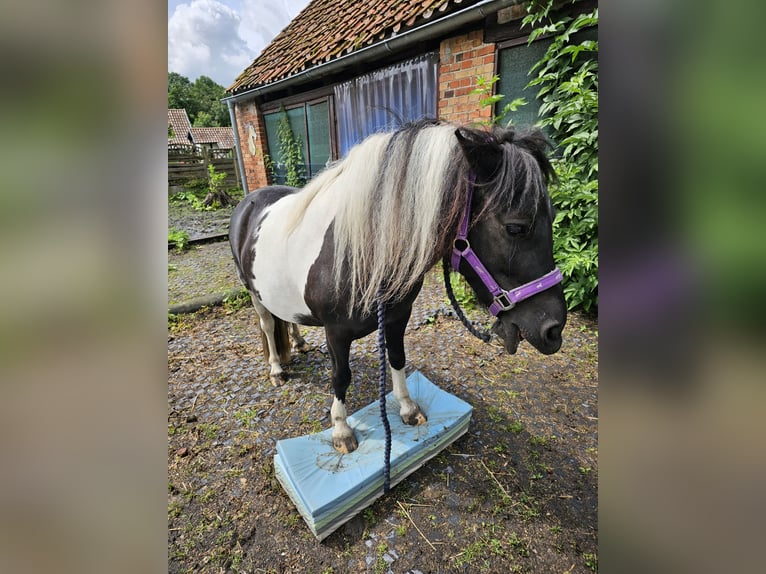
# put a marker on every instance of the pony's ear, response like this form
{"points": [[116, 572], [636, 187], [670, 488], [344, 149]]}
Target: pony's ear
{"points": [[480, 149]]}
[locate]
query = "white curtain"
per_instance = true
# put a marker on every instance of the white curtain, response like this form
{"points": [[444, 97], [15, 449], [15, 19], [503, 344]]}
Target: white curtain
{"points": [[386, 98]]}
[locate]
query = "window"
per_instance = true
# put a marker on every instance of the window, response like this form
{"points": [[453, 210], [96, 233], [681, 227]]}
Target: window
{"points": [[310, 121], [515, 59]]}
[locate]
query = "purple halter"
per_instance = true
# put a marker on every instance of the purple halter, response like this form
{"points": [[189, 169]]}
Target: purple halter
{"points": [[502, 300]]}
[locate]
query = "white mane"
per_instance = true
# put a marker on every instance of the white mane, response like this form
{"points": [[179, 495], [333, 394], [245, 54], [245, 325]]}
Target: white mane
{"points": [[390, 191]]}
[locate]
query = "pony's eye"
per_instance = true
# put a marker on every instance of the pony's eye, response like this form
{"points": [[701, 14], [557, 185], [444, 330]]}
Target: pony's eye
{"points": [[515, 229]]}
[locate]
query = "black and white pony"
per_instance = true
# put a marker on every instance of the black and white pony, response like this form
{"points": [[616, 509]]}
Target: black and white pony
{"points": [[374, 223]]}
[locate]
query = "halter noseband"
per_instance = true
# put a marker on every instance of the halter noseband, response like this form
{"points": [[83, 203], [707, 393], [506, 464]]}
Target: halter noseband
{"points": [[502, 300]]}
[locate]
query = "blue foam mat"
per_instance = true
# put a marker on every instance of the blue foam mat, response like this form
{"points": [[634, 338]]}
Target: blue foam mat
{"points": [[329, 488]]}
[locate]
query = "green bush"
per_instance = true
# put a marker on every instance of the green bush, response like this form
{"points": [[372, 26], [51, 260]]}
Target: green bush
{"points": [[568, 95], [567, 77], [179, 238]]}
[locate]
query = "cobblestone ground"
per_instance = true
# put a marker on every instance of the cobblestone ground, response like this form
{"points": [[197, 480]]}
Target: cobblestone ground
{"points": [[517, 493]]}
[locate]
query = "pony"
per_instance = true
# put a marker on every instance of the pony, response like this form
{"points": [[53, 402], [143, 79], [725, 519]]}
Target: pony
{"points": [[367, 229]]}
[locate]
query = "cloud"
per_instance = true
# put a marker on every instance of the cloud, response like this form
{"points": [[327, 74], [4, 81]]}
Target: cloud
{"points": [[204, 39], [263, 20]]}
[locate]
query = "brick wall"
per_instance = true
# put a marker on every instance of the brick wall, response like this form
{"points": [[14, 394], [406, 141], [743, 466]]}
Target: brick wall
{"points": [[461, 60], [252, 155]]}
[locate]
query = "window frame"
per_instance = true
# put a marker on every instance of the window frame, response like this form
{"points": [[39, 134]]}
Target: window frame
{"points": [[302, 101]]}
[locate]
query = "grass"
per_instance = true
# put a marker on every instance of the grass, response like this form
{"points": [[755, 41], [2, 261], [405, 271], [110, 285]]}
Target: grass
{"points": [[208, 430], [381, 565], [476, 553], [246, 417], [516, 427], [591, 561]]}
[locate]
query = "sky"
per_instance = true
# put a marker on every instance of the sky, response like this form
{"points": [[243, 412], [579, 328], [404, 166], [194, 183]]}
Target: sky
{"points": [[220, 38]]}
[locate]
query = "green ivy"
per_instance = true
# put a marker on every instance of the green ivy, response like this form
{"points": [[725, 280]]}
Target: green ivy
{"points": [[291, 152], [568, 92]]}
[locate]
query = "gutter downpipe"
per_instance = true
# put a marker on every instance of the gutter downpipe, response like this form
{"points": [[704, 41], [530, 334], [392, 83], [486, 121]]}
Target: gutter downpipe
{"points": [[238, 147], [400, 42]]}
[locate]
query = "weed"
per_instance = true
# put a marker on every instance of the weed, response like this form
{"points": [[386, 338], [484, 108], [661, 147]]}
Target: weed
{"points": [[236, 300], [178, 238], [539, 440], [516, 427], [207, 496], [488, 544], [380, 564], [495, 414], [174, 509], [591, 561], [246, 417], [400, 530], [585, 470], [463, 292], [518, 544], [208, 430]]}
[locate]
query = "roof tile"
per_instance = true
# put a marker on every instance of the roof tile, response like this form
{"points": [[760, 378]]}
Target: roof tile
{"points": [[179, 121], [327, 29]]}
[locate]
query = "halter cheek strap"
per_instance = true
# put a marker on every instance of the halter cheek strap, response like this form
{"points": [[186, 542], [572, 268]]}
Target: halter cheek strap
{"points": [[502, 300]]}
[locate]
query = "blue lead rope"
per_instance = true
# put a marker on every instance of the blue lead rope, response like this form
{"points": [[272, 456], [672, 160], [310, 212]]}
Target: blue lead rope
{"points": [[382, 391]]}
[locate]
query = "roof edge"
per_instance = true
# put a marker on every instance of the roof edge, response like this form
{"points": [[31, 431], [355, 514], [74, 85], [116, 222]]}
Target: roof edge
{"points": [[393, 44]]}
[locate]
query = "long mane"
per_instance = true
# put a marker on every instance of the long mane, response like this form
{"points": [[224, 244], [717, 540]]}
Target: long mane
{"points": [[400, 197]]}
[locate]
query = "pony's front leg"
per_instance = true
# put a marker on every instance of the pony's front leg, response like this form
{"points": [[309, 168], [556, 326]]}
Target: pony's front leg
{"points": [[339, 344], [268, 327], [408, 409]]}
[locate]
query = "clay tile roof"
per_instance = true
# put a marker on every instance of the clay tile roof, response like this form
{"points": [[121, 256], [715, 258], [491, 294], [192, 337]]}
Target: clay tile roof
{"points": [[179, 121], [224, 137], [327, 29]]}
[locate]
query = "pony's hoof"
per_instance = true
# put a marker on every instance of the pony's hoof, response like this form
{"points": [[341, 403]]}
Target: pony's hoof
{"points": [[415, 418], [345, 444], [303, 347], [276, 380]]}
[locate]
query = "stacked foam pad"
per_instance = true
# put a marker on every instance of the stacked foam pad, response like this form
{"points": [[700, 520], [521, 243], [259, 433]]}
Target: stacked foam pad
{"points": [[329, 488]]}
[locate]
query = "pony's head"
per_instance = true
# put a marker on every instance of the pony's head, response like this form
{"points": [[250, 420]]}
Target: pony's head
{"points": [[511, 231]]}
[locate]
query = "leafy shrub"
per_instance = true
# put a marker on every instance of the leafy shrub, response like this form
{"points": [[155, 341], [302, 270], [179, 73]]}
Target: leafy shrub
{"points": [[179, 238], [569, 110], [463, 292]]}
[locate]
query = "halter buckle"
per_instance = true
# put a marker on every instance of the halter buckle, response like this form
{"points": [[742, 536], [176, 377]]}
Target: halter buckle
{"points": [[504, 302]]}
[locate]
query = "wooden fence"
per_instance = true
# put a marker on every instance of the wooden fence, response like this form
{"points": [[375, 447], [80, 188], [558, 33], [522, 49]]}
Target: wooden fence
{"points": [[185, 163]]}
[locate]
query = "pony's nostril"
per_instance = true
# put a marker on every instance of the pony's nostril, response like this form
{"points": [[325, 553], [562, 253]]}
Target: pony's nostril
{"points": [[551, 331]]}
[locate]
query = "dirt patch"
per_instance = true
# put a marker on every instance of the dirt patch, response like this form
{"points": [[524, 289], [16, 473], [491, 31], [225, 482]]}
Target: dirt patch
{"points": [[517, 493]]}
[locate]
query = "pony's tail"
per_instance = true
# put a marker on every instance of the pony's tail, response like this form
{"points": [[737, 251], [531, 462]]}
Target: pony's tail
{"points": [[281, 339]]}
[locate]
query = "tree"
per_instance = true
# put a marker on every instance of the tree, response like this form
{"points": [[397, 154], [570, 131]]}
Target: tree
{"points": [[207, 94], [179, 94], [201, 99]]}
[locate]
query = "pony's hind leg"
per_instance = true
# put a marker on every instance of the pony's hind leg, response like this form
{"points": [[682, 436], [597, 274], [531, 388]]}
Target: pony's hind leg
{"points": [[274, 344], [339, 344], [299, 343], [408, 409]]}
